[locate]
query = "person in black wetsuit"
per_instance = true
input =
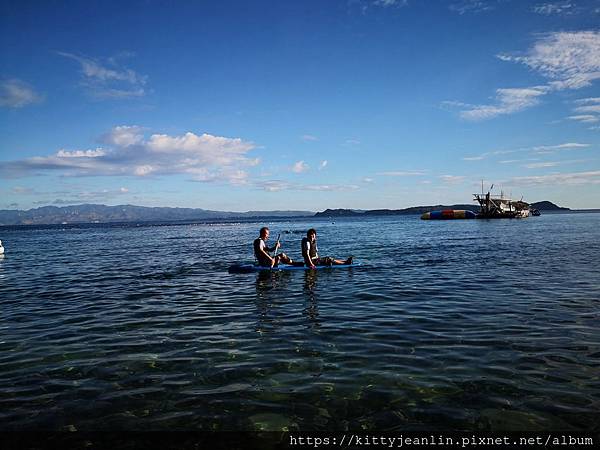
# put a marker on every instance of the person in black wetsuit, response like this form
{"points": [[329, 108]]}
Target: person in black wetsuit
{"points": [[262, 251], [310, 252]]}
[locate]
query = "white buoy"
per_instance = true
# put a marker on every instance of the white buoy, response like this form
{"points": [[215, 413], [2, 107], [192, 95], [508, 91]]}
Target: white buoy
{"points": [[1, 249]]}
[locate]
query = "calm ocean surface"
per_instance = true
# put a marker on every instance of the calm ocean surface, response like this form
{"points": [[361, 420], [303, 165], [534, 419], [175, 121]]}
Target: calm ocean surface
{"points": [[453, 325]]}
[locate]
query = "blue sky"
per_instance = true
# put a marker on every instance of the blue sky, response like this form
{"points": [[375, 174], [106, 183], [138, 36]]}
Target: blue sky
{"points": [[298, 105]]}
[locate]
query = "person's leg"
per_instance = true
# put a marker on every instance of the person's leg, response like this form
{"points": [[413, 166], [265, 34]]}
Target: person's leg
{"points": [[340, 262], [284, 258]]}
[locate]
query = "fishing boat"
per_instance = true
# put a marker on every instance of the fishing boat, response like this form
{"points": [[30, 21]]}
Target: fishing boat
{"points": [[499, 207]]}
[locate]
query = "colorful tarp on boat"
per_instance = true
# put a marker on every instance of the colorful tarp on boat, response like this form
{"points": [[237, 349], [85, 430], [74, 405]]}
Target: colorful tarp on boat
{"points": [[447, 214]]}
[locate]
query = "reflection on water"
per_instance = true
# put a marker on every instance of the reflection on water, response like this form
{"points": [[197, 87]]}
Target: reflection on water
{"points": [[471, 325], [310, 284]]}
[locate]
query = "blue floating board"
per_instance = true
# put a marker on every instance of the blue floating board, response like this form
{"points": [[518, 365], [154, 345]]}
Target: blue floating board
{"points": [[249, 268]]}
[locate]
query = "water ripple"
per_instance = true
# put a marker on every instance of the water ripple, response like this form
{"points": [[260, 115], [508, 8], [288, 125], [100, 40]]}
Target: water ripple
{"points": [[469, 325]]}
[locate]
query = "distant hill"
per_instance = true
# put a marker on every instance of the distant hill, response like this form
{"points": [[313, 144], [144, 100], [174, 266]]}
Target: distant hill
{"points": [[548, 206], [542, 206], [89, 213], [392, 212]]}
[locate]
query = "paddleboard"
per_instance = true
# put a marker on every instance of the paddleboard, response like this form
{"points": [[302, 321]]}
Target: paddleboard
{"points": [[249, 268]]}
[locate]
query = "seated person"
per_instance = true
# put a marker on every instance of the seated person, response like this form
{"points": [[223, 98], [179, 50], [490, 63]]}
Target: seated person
{"points": [[262, 251], [310, 252]]}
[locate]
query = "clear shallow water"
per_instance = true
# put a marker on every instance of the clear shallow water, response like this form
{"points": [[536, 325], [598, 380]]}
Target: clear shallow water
{"points": [[457, 325]]}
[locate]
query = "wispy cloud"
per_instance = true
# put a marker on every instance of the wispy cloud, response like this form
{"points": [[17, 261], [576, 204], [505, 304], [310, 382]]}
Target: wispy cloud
{"points": [[569, 60], [574, 178], [508, 101], [20, 190], [109, 79], [585, 118], [299, 167], [545, 164], [403, 173], [388, 3], [309, 138], [554, 148], [452, 179], [512, 161], [587, 111], [538, 149], [15, 93], [75, 195], [279, 185], [487, 154], [89, 196], [471, 6], [202, 157], [554, 8], [80, 153], [584, 101], [352, 142]]}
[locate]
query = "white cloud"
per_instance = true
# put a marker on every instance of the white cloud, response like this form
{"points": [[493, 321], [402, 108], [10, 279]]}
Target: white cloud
{"points": [[575, 178], [109, 80], [403, 173], [200, 150], [22, 190], [585, 112], [352, 142], [470, 6], [278, 185], [202, 157], [486, 154], [583, 101], [508, 101], [309, 137], [80, 153], [323, 164], [144, 170], [388, 3], [551, 164], [17, 94], [569, 60], [541, 164], [588, 109], [124, 136], [299, 167], [585, 118], [452, 179], [554, 148], [554, 8], [539, 149]]}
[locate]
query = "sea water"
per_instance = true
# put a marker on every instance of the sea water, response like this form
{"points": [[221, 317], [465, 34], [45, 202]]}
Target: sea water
{"points": [[449, 325]]}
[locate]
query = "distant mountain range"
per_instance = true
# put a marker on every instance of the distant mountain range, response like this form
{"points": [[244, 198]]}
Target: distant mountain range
{"points": [[89, 213], [126, 213]]}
